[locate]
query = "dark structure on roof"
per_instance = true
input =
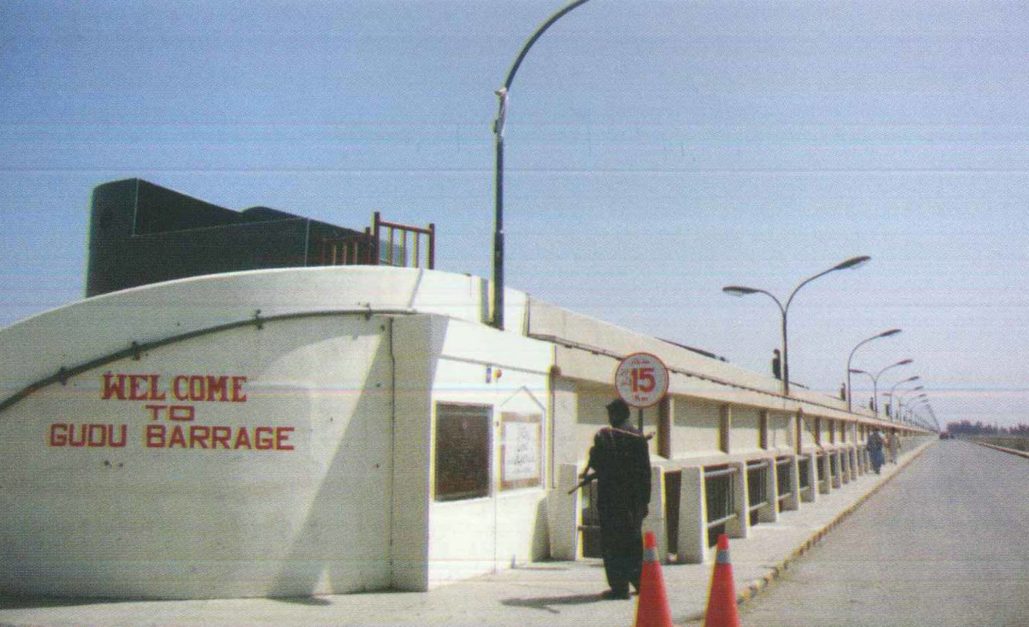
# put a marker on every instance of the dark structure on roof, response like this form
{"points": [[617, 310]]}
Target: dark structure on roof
{"points": [[142, 233]]}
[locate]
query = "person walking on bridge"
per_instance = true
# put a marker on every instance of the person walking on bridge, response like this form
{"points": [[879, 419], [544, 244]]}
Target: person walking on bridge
{"points": [[875, 449], [621, 460], [893, 445]]}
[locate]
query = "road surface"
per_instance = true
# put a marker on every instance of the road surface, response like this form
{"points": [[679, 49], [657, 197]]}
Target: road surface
{"points": [[944, 543]]}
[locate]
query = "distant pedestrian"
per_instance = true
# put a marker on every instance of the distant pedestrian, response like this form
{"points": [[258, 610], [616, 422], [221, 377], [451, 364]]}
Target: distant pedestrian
{"points": [[777, 364], [893, 445], [875, 449], [621, 460]]}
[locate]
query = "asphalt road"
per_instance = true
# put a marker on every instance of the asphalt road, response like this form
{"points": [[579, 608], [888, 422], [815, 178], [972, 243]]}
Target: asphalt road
{"points": [[944, 543]]}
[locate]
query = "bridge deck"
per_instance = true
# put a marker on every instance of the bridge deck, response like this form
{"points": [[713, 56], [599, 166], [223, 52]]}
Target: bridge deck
{"points": [[945, 543]]}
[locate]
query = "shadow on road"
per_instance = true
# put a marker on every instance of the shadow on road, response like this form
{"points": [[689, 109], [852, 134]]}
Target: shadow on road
{"points": [[545, 603]]}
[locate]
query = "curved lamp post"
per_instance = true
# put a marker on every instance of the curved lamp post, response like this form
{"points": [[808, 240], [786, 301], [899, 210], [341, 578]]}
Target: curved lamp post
{"points": [[902, 382], [875, 381], [860, 344], [739, 290], [918, 403], [913, 402], [498, 133]]}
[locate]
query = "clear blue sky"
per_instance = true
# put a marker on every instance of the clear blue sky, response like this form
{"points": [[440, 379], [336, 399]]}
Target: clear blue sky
{"points": [[656, 152]]}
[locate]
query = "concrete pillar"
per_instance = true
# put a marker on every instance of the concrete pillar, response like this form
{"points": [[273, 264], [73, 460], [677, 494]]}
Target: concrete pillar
{"points": [[837, 478], [845, 465], [792, 502], [811, 494], [740, 526], [692, 517], [655, 520], [725, 428], [770, 513], [852, 454], [825, 485], [564, 515], [664, 426]]}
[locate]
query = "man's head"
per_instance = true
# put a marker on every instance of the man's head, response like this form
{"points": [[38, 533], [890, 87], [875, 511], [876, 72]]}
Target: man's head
{"points": [[617, 412]]}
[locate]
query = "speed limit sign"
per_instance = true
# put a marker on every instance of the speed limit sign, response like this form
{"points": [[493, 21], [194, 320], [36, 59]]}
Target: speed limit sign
{"points": [[641, 380]]}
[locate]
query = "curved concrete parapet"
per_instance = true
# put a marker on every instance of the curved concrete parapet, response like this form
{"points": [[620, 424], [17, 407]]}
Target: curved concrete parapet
{"points": [[254, 434], [328, 430]]}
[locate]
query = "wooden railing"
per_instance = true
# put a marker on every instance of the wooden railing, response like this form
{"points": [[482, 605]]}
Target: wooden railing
{"points": [[384, 243]]}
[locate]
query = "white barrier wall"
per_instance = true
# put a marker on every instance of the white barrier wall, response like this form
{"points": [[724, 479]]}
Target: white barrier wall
{"points": [[209, 467], [696, 427], [328, 430]]}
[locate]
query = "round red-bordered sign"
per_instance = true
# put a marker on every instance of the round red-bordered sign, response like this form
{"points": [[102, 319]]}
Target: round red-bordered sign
{"points": [[641, 380]]}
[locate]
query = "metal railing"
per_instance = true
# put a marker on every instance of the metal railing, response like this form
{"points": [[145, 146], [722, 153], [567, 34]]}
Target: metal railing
{"points": [[804, 473], [757, 486], [720, 497]]}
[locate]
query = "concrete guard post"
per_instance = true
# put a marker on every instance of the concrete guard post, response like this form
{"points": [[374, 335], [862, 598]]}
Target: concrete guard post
{"points": [[655, 520], [845, 464], [692, 517], [564, 514]]}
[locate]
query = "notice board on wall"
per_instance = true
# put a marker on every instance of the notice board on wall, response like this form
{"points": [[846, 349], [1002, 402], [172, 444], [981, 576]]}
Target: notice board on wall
{"points": [[521, 452], [462, 451]]}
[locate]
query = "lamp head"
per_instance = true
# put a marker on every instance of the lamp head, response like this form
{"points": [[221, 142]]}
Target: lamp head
{"points": [[738, 290], [889, 333], [854, 262]]}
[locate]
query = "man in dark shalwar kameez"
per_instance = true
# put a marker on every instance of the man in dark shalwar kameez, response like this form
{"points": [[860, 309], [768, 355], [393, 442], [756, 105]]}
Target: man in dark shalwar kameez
{"points": [[621, 460]]}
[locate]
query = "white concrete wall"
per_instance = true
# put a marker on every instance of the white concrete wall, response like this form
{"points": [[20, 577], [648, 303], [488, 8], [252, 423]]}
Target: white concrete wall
{"points": [[807, 432], [476, 536], [349, 364], [781, 434], [695, 428], [745, 436], [182, 521]]}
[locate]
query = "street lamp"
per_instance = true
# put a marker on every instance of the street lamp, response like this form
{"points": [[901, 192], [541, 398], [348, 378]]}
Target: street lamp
{"points": [[923, 397], [739, 290], [901, 382], [498, 133], [875, 381], [860, 344]]}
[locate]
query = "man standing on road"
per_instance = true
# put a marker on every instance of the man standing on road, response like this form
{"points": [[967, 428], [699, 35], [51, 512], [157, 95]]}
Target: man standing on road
{"points": [[621, 459]]}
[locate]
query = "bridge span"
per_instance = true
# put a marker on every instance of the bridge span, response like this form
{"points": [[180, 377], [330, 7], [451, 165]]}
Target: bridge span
{"points": [[945, 543], [938, 539]]}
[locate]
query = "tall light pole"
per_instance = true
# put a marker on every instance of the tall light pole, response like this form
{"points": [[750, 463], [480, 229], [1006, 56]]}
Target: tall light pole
{"points": [[498, 134], [901, 382], [875, 381], [921, 401], [739, 290], [850, 405], [914, 401]]}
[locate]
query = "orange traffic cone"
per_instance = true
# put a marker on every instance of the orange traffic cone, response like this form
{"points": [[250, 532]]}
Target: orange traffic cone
{"points": [[721, 601], [652, 607]]}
